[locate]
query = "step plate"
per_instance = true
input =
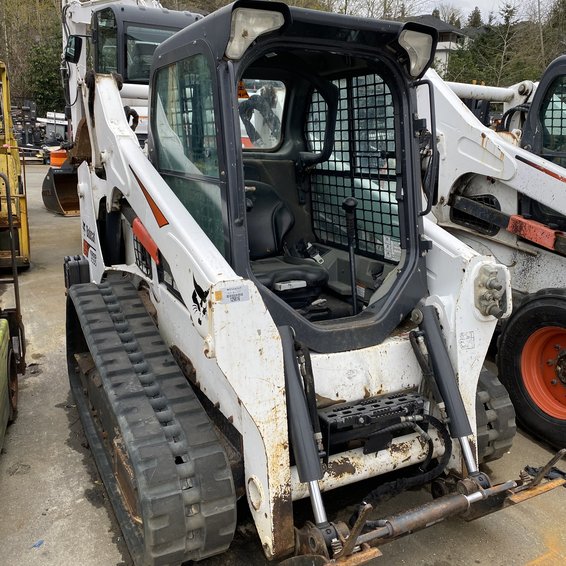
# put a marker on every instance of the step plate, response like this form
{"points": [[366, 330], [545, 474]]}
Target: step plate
{"points": [[359, 421]]}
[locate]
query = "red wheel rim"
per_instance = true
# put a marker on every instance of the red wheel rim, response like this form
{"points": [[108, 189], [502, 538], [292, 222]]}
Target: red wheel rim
{"points": [[543, 366]]}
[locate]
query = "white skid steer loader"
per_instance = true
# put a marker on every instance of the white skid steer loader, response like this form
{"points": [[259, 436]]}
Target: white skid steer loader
{"points": [[502, 193], [277, 321]]}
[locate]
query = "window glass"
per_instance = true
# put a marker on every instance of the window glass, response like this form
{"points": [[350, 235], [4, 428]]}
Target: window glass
{"points": [[106, 46], [185, 139], [185, 118], [141, 42], [553, 117], [261, 109], [362, 165]]}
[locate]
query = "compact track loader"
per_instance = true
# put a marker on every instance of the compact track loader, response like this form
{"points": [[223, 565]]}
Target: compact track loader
{"points": [[502, 193], [276, 321]]}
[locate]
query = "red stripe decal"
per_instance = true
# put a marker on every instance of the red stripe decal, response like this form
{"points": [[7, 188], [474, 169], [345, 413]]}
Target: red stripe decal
{"points": [[541, 168], [145, 239], [159, 216]]}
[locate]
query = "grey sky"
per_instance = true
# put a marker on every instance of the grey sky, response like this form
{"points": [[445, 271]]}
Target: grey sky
{"points": [[485, 6]]}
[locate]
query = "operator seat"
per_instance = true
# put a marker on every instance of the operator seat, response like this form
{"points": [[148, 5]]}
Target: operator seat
{"points": [[298, 281]]}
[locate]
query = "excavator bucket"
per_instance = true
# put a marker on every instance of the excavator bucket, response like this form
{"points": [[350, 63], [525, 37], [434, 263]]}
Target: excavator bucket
{"points": [[59, 191]]}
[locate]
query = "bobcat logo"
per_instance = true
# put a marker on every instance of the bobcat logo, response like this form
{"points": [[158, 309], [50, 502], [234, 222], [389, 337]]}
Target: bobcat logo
{"points": [[199, 301]]}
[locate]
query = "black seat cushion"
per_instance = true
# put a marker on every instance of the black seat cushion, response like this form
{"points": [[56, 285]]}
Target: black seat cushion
{"points": [[269, 221], [276, 270]]}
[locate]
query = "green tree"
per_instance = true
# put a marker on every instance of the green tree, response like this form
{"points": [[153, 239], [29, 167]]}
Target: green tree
{"points": [[474, 19], [499, 54], [208, 6], [554, 31], [44, 79], [200, 6], [34, 22], [463, 66]]}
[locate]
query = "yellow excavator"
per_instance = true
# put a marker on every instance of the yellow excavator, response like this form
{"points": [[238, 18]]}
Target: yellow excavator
{"points": [[11, 167], [12, 335], [14, 252]]}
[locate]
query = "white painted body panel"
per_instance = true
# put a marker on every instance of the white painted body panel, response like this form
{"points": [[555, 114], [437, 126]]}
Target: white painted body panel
{"points": [[484, 162], [466, 147]]}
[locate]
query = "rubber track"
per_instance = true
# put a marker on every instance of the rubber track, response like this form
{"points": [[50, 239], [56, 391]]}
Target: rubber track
{"points": [[495, 418], [184, 483]]}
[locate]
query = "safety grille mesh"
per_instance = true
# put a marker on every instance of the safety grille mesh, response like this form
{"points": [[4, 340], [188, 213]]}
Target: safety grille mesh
{"points": [[362, 165]]}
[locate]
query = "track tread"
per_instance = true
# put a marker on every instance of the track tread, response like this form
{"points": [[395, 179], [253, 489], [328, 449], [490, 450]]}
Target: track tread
{"points": [[185, 489], [496, 427]]}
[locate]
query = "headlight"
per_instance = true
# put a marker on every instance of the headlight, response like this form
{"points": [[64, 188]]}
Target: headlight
{"points": [[419, 48], [247, 25]]}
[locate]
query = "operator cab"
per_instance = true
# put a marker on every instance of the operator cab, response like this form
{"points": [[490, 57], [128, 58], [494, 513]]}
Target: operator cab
{"points": [[297, 226], [544, 133], [125, 38], [122, 41], [310, 129]]}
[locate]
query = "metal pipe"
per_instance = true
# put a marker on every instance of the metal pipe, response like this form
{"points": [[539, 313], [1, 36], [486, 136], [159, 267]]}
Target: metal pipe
{"points": [[22, 157], [353, 465], [318, 510], [482, 92], [468, 455], [430, 513]]}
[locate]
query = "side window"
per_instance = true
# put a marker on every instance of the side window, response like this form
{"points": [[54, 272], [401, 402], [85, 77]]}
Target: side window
{"points": [[553, 117], [185, 137], [362, 165], [261, 106], [141, 42], [107, 50]]}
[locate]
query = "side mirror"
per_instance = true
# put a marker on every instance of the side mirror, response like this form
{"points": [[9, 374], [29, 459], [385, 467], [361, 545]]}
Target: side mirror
{"points": [[73, 49]]}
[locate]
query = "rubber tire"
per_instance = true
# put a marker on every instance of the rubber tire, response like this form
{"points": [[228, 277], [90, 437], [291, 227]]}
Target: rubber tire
{"points": [[545, 308]]}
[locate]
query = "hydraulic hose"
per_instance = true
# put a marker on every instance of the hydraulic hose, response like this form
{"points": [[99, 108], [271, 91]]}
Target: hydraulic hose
{"points": [[424, 365], [506, 118]]}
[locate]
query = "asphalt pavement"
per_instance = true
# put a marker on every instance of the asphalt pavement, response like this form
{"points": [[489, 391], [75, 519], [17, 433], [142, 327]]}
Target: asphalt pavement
{"points": [[55, 512]]}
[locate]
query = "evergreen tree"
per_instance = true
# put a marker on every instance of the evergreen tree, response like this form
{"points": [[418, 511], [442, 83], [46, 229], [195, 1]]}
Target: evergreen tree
{"points": [[554, 32], [43, 76], [474, 19]]}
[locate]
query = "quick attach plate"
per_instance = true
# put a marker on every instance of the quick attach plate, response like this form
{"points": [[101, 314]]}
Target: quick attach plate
{"points": [[360, 423]]}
